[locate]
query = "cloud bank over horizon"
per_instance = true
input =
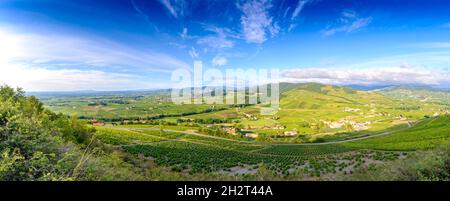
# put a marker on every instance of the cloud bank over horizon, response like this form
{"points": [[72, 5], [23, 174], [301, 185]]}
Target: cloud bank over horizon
{"points": [[388, 76]]}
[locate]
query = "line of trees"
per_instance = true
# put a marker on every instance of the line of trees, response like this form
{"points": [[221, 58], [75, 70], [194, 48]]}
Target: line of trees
{"points": [[207, 121]]}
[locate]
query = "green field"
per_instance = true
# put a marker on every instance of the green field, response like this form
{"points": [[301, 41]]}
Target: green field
{"points": [[337, 130], [196, 153], [427, 134], [123, 137], [117, 107]]}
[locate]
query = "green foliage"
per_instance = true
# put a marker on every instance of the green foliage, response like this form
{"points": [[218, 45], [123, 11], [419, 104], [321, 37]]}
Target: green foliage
{"points": [[431, 165], [427, 134], [30, 143], [199, 154], [125, 107], [222, 143], [36, 144], [123, 137], [422, 94], [305, 150]]}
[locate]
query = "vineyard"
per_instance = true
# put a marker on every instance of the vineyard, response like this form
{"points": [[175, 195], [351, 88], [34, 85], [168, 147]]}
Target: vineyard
{"points": [[197, 157], [427, 134], [197, 153], [203, 158], [212, 139], [223, 144], [124, 137], [306, 150]]}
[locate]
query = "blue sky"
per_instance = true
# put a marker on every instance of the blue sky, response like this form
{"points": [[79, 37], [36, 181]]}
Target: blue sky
{"points": [[53, 45]]}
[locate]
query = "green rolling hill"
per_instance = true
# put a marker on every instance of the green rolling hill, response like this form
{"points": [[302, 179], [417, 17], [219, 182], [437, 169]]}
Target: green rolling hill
{"points": [[422, 94]]}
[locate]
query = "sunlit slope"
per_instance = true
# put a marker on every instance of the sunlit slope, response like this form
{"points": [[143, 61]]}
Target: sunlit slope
{"points": [[324, 110], [426, 97], [318, 96], [187, 152], [424, 94], [303, 105], [119, 107], [426, 134]]}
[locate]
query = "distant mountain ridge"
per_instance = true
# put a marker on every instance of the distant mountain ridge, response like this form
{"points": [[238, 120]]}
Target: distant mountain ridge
{"points": [[391, 91], [46, 94], [424, 94]]}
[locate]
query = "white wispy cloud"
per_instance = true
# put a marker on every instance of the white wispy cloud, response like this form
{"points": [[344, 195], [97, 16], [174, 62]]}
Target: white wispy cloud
{"points": [[169, 7], [422, 68], [62, 62], [285, 14], [347, 15], [221, 38], [349, 22], [42, 79], [292, 26], [175, 7], [218, 41], [141, 13], [436, 60], [401, 75], [84, 51], [300, 5], [219, 61], [256, 21], [139, 10], [194, 54], [298, 9], [184, 33]]}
